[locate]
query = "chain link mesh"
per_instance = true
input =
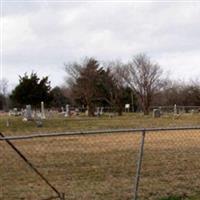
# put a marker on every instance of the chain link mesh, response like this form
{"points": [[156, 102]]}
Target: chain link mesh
{"points": [[83, 167], [171, 165], [103, 166]]}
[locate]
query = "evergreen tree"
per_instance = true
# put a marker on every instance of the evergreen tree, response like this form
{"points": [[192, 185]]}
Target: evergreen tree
{"points": [[31, 90]]}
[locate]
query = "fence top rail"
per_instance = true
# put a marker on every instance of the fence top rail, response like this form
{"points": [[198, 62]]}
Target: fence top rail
{"points": [[104, 131]]}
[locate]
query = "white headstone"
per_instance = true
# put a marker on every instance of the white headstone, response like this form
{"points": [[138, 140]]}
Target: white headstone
{"points": [[38, 119], [175, 110], [15, 112], [67, 111], [28, 113], [42, 111], [86, 113], [97, 113], [101, 111]]}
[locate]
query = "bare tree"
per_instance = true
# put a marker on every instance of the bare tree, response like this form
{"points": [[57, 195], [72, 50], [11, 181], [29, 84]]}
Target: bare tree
{"points": [[180, 93], [73, 71], [3, 86], [115, 86], [144, 78]]}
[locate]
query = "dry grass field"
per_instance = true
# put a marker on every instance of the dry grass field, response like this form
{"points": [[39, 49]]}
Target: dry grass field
{"points": [[100, 167], [58, 123]]}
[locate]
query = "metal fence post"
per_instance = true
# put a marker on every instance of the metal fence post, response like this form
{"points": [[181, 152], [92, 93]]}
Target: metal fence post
{"points": [[139, 166]]}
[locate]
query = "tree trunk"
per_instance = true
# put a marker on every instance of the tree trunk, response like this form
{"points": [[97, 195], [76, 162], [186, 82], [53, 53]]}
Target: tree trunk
{"points": [[146, 111], [90, 108], [145, 105], [119, 110]]}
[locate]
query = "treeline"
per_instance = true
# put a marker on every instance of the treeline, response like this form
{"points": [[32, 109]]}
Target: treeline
{"points": [[4, 98], [90, 84], [140, 83], [179, 93]]}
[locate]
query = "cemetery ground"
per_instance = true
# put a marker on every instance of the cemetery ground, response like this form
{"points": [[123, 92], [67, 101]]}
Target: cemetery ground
{"points": [[102, 166], [58, 123]]}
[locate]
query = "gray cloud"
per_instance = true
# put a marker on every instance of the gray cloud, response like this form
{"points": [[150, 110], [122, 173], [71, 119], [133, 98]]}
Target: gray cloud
{"points": [[42, 36]]}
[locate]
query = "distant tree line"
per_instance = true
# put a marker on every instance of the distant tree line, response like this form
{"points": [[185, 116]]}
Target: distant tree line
{"points": [[140, 82], [4, 99], [90, 83], [113, 82], [180, 93]]}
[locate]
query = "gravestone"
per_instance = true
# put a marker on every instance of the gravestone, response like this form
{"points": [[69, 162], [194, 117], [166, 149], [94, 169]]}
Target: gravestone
{"points": [[28, 113], [50, 113], [176, 110], [38, 119], [42, 111], [77, 111], [97, 113], [62, 110], [14, 112], [101, 111], [86, 113], [33, 114], [156, 113], [67, 111], [177, 115]]}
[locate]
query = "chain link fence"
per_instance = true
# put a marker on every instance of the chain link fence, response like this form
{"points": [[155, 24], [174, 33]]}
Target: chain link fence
{"points": [[142, 164]]}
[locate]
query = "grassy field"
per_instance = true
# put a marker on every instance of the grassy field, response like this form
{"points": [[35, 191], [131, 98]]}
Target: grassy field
{"points": [[59, 123], [102, 167]]}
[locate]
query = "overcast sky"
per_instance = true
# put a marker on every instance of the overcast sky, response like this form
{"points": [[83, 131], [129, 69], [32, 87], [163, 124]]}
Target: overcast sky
{"points": [[41, 36]]}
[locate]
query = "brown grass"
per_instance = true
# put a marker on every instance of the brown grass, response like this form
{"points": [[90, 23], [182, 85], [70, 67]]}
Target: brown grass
{"points": [[58, 123], [99, 167]]}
